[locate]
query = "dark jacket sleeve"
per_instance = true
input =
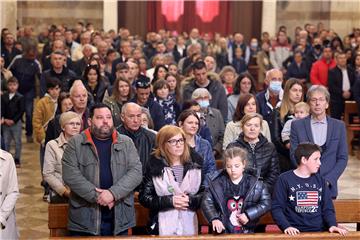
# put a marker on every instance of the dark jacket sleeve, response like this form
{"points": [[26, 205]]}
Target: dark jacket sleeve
{"points": [[158, 116], [274, 171], [327, 207], [21, 109], [149, 199], [264, 204], [279, 204], [195, 200], [208, 206]]}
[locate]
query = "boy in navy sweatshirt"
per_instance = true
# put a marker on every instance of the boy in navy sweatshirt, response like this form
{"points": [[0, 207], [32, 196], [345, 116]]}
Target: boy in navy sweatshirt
{"points": [[301, 200]]}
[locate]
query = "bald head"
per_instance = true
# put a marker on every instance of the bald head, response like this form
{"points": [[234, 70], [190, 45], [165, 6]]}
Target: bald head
{"points": [[131, 116], [79, 96]]}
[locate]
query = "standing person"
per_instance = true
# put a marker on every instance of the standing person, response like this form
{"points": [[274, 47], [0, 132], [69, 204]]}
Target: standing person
{"points": [[263, 158], [27, 69], [341, 79], [10, 193], [189, 122], [9, 51], [328, 133], [70, 123], [94, 169], [235, 200], [302, 199], [171, 188], [263, 61], [95, 83], [12, 108], [320, 68]]}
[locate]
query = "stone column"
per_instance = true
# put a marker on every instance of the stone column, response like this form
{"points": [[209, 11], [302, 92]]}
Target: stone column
{"points": [[110, 15], [9, 15], [269, 17]]}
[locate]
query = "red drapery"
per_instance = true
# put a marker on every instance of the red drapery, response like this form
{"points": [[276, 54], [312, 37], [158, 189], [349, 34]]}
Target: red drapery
{"points": [[181, 15]]}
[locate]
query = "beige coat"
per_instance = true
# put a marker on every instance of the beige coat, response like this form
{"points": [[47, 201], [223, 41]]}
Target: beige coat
{"points": [[233, 130], [9, 193], [52, 171]]}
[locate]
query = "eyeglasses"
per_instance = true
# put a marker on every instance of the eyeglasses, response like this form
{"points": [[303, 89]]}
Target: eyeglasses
{"points": [[276, 79], [317, 100], [73, 124], [174, 142]]}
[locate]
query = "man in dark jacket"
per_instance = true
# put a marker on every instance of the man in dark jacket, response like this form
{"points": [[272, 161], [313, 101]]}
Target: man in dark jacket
{"points": [[143, 139], [215, 88], [26, 68], [57, 70], [9, 51], [102, 169], [143, 98], [341, 79]]}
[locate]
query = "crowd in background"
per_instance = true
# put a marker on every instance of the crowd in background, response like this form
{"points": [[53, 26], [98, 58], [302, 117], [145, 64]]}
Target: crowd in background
{"points": [[221, 91]]}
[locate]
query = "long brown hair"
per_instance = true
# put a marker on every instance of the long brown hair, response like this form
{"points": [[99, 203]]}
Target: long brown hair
{"points": [[115, 92], [243, 100], [286, 105], [165, 133]]}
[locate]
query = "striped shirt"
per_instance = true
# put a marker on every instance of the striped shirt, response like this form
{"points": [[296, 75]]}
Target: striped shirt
{"points": [[178, 171]]}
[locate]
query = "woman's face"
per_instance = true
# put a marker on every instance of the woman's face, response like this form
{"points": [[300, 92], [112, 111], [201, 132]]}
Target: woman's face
{"points": [[161, 73], [173, 69], [357, 61], [92, 76], [111, 57], [229, 78], [245, 85], [144, 120], [175, 146], [66, 105], [72, 127], [163, 92], [295, 93], [171, 80], [252, 129], [190, 125], [250, 106], [124, 89]]}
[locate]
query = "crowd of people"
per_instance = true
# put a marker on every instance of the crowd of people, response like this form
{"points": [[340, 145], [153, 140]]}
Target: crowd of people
{"points": [[114, 114]]}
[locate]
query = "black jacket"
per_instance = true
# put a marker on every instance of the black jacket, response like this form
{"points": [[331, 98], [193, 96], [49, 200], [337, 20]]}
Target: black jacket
{"points": [[144, 141], [147, 194], [256, 203], [12, 109], [335, 81], [263, 160], [98, 93], [65, 78]]}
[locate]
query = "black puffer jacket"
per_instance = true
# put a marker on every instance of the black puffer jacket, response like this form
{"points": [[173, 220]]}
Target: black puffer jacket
{"points": [[256, 203], [147, 194], [263, 160]]}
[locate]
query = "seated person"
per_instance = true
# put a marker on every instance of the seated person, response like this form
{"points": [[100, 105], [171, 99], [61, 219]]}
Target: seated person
{"points": [[234, 200], [301, 199]]}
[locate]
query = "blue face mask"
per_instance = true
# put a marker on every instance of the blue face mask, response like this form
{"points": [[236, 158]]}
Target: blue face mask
{"points": [[275, 86], [204, 103]]}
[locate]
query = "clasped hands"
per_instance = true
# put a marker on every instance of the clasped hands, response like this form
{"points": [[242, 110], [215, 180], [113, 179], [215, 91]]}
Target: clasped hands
{"points": [[181, 202], [105, 198]]}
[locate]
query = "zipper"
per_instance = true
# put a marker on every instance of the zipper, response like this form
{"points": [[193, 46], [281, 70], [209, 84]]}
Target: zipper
{"points": [[247, 196], [97, 181]]}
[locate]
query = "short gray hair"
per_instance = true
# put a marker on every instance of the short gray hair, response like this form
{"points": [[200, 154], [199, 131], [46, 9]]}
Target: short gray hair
{"points": [[127, 105], [318, 88], [200, 92]]}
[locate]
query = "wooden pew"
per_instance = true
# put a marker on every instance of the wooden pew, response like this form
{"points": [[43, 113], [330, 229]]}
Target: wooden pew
{"points": [[347, 211], [257, 236], [350, 109]]}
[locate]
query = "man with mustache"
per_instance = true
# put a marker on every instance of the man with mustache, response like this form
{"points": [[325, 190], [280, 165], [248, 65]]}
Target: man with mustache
{"points": [[102, 168]]}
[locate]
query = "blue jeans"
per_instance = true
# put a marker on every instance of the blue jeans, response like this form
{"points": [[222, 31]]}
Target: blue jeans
{"points": [[29, 108], [13, 133]]}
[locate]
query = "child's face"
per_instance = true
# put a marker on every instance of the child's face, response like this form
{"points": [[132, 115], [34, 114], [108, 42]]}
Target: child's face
{"points": [[301, 113], [238, 52], [12, 87], [54, 92], [313, 162], [163, 92], [235, 168]]}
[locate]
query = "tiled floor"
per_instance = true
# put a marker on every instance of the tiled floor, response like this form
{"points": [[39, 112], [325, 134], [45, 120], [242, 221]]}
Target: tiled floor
{"points": [[32, 210]]}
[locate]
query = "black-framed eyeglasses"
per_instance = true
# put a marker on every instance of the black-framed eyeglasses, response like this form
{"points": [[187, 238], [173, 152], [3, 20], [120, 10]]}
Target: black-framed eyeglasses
{"points": [[174, 142]]}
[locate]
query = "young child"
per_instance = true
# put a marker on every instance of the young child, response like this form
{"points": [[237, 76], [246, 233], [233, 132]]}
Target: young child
{"points": [[301, 198], [12, 108], [239, 62], [234, 200], [301, 110]]}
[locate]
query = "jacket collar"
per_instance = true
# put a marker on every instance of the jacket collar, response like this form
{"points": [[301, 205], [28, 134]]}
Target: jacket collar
{"points": [[61, 140], [88, 138]]}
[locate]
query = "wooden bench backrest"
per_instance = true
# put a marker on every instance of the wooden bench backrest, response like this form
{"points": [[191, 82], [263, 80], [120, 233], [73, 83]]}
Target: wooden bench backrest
{"points": [[347, 211], [350, 108]]}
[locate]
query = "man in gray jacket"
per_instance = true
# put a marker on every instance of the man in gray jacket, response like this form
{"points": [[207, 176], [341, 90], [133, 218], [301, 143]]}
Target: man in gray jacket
{"points": [[102, 168]]}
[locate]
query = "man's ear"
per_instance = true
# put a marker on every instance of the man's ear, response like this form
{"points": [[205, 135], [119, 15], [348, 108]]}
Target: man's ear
{"points": [[122, 117], [89, 122], [303, 160]]}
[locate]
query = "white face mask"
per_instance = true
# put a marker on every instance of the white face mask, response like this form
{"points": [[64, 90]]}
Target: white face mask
{"points": [[204, 103]]}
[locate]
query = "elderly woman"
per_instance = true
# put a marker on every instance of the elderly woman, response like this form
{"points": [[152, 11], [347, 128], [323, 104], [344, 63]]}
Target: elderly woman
{"points": [[70, 123], [263, 158], [213, 118], [189, 122], [171, 188], [10, 193], [246, 104]]}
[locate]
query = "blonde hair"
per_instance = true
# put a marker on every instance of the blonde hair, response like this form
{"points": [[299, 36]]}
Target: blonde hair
{"points": [[286, 105], [302, 105], [67, 116], [250, 116], [162, 139]]}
